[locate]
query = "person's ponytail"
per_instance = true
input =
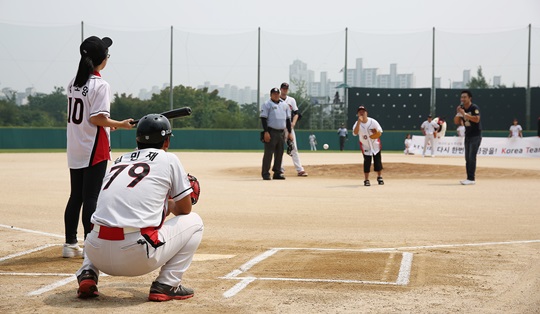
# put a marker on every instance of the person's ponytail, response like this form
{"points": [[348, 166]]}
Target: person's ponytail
{"points": [[86, 68]]}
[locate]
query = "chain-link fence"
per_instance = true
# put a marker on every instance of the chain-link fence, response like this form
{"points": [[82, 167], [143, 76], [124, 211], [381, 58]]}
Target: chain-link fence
{"points": [[244, 66]]}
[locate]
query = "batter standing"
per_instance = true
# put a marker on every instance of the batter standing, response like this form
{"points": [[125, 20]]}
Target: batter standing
{"points": [[88, 138], [469, 114], [295, 114], [275, 118], [369, 132], [130, 236]]}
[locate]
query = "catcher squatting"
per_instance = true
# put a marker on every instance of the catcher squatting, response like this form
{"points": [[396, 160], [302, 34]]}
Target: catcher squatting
{"points": [[130, 236]]}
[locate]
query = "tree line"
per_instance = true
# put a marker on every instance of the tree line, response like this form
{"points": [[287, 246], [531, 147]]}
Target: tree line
{"points": [[209, 110]]}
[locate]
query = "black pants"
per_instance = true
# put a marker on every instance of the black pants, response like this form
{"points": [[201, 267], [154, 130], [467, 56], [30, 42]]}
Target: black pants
{"points": [[342, 140], [273, 148], [85, 187], [472, 144], [377, 162]]}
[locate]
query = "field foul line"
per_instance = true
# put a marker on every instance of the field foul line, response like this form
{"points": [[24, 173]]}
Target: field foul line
{"points": [[436, 246], [52, 286], [27, 252], [36, 274], [33, 231]]}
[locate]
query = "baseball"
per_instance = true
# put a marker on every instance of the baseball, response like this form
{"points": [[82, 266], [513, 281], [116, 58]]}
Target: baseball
{"points": [[325, 146]]}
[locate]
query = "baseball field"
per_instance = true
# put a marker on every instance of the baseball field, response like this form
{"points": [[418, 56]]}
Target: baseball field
{"points": [[421, 243]]}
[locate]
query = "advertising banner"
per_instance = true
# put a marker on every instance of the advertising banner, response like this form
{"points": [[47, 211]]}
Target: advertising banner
{"points": [[491, 146]]}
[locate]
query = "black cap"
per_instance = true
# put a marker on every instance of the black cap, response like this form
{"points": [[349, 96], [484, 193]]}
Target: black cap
{"points": [[153, 128], [429, 116], [274, 90], [95, 48], [361, 108], [285, 85]]}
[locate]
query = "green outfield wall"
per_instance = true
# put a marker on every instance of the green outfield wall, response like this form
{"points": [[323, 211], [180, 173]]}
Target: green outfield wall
{"points": [[55, 138]]}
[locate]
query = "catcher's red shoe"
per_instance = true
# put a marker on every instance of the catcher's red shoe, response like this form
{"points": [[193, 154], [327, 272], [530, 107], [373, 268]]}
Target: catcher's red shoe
{"points": [[87, 285], [162, 292]]}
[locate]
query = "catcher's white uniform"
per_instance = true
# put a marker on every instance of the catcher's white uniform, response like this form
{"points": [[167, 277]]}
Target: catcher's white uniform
{"points": [[133, 199]]}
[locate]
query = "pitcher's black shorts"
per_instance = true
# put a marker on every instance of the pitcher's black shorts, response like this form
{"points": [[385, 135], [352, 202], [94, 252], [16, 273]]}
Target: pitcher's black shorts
{"points": [[377, 162]]}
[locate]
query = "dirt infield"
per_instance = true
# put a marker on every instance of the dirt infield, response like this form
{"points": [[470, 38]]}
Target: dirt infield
{"points": [[323, 243]]}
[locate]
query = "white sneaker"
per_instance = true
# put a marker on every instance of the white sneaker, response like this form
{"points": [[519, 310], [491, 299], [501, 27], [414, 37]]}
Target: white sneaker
{"points": [[467, 182], [432, 156], [72, 250]]}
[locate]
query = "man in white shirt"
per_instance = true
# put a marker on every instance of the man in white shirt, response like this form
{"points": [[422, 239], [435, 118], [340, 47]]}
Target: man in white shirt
{"points": [[429, 130], [295, 116]]}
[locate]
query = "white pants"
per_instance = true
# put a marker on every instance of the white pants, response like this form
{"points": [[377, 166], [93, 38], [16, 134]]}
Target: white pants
{"points": [[429, 138], [181, 234], [294, 153], [313, 146]]}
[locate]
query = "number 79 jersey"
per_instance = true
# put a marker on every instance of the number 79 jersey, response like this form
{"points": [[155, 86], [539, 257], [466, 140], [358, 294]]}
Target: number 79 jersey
{"points": [[87, 143], [136, 189]]}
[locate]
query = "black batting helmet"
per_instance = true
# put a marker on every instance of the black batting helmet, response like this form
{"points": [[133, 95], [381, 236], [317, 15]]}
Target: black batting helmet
{"points": [[153, 128]]}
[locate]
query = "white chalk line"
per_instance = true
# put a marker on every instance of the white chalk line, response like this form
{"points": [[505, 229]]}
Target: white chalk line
{"points": [[52, 286], [27, 252], [436, 246], [36, 274], [403, 275], [251, 263], [238, 287], [33, 231]]}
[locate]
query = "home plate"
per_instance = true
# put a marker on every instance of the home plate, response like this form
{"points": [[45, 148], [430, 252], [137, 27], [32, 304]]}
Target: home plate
{"points": [[210, 257]]}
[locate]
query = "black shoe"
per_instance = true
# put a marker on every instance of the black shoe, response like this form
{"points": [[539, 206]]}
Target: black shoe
{"points": [[87, 285], [366, 183], [279, 177], [161, 292], [380, 181], [266, 178]]}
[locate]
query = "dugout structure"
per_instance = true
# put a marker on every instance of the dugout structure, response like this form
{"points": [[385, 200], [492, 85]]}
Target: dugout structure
{"points": [[406, 109]]}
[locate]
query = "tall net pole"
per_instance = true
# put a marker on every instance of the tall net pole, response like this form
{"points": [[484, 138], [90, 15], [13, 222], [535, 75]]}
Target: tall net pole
{"points": [[171, 74]]}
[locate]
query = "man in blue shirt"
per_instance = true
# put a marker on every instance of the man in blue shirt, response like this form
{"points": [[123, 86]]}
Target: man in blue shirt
{"points": [[275, 118]]}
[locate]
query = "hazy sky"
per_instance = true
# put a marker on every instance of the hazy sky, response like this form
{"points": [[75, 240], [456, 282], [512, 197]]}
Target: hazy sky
{"points": [[216, 40]]}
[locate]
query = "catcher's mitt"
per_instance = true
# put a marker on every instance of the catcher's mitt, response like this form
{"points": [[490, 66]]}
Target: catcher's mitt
{"points": [[196, 189], [289, 147]]}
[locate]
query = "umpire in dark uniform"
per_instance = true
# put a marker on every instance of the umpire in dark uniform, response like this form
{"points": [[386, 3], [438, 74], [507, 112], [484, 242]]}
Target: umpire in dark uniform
{"points": [[275, 117]]}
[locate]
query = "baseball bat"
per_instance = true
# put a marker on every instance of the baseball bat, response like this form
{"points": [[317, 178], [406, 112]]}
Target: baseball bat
{"points": [[171, 114]]}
